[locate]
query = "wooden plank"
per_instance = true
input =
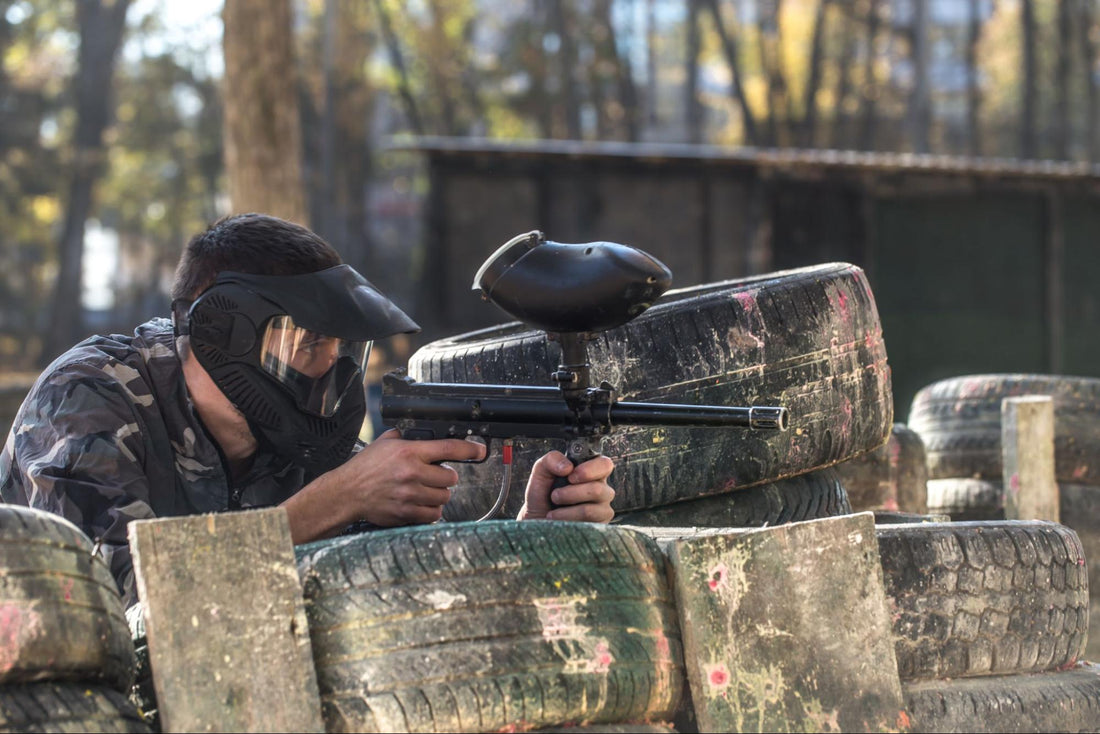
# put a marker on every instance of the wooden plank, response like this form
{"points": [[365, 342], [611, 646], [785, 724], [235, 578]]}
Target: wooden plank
{"points": [[228, 639], [1027, 454], [787, 628]]}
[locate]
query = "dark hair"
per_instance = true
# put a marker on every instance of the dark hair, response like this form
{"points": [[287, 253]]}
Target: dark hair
{"points": [[257, 244]]}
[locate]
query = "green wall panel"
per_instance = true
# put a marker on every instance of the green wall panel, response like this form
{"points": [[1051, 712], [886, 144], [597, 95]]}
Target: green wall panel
{"points": [[959, 282]]}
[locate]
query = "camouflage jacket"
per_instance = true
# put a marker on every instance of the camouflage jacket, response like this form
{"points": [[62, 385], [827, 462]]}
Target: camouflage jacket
{"points": [[108, 435]]}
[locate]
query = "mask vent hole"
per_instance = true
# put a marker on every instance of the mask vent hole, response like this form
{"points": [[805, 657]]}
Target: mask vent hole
{"points": [[250, 401], [210, 354], [222, 303], [324, 429]]}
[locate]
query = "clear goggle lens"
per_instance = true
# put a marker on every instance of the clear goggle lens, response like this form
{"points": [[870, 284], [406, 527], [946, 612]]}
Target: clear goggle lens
{"points": [[318, 369]]}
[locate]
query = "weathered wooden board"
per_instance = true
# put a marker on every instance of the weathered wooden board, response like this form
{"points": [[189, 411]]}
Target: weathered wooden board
{"points": [[1027, 446], [787, 628], [225, 622]]}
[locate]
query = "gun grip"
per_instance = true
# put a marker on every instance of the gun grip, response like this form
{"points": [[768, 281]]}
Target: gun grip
{"points": [[579, 451]]}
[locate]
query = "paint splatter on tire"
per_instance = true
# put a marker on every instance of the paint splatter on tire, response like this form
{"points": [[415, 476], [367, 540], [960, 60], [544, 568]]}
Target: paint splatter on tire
{"points": [[482, 626], [61, 615]]}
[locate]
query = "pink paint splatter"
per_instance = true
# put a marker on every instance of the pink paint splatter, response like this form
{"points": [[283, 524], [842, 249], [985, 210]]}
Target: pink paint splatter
{"points": [[602, 662], [842, 302], [717, 576], [747, 301], [67, 588], [1080, 472], [664, 651], [18, 624], [719, 676]]}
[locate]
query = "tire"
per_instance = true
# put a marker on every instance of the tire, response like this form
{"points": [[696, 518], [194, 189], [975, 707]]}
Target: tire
{"points": [[959, 420], [1066, 700], [1079, 509], [892, 478], [62, 613], [808, 339], [984, 598], [66, 707], [805, 497], [967, 500], [483, 626]]}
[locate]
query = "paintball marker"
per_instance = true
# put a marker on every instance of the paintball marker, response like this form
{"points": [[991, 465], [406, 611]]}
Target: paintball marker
{"points": [[572, 292]]}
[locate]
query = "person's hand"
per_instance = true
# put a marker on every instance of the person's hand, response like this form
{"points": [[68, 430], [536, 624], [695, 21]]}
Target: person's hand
{"points": [[587, 497], [390, 482]]}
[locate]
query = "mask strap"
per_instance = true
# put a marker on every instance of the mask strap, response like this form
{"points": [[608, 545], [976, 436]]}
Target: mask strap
{"points": [[181, 325]]}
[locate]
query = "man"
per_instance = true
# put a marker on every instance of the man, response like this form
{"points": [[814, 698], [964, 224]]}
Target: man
{"points": [[251, 396]]}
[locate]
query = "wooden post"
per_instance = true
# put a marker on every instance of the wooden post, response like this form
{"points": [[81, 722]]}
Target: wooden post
{"points": [[1027, 445], [225, 623], [787, 628]]}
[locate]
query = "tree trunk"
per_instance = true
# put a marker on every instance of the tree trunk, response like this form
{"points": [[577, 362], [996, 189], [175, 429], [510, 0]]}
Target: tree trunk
{"points": [[813, 76], [397, 60], [694, 111], [920, 101], [766, 35], [651, 62], [1028, 146], [737, 91], [101, 24], [973, 93], [263, 136], [869, 97], [444, 80], [1089, 30], [627, 116], [352, 105], [325, 211], [771, 61], [1061, 100], [470, 82], [567, 66], [840, 133], [539, 68]]}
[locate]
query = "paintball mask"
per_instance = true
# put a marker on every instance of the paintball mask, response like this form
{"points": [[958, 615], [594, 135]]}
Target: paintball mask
{"points": [[290, 352]]}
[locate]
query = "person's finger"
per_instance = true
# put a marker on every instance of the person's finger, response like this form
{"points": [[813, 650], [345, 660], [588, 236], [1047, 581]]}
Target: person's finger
{"points": [[550, 466], [589, 492], [434, 475], [587, 512], [449, 449], [388, 435], [593, 470], [419, 514], [422, 496]]}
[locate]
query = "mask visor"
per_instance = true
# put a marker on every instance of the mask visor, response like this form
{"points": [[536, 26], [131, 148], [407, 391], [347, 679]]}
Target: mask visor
{"points": [[318, 370]]}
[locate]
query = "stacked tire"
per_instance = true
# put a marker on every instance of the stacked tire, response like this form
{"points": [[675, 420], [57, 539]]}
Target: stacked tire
{"points": [[990, 621], [66, 658], [891, 479], [809, 339], [959, 420], [493, 626]]}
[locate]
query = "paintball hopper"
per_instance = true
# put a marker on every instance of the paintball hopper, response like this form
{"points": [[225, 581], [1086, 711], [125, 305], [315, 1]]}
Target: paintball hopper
{"points": [[571, 288]]}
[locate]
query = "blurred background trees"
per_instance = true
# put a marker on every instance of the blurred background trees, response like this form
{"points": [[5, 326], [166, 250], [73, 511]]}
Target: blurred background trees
{"points": [[117, 117]]}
